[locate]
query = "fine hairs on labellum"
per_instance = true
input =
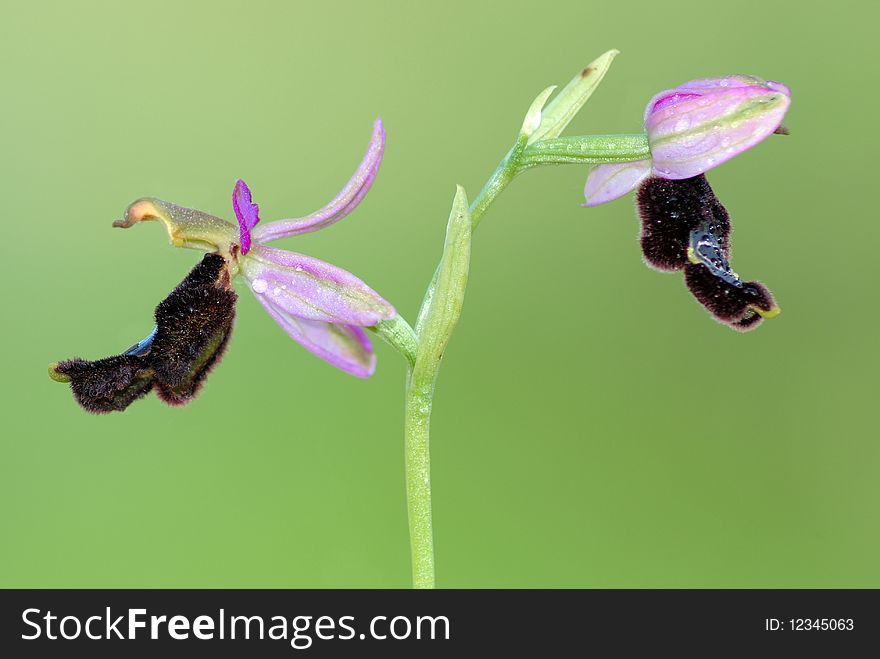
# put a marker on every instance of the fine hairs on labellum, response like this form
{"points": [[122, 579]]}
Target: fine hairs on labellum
{"points": [[193, 325], [685, 228]]}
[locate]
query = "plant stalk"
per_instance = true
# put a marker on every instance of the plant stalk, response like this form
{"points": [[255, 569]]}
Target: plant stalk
{"points": [[419, 400], [424, 352]]}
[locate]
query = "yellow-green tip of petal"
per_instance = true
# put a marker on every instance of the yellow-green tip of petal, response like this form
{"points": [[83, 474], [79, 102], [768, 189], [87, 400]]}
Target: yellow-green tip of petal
{"points": [[56, 375], [769, 313]]}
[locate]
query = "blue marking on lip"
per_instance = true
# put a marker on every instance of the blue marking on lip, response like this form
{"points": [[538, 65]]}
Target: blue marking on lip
{"points": [[709, 250], [142, 346]]}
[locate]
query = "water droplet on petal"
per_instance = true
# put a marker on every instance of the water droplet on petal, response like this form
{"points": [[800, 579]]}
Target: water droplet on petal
{"points": [[260, 285]]}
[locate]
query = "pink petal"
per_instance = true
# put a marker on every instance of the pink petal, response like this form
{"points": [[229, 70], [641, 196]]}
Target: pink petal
{"points": [[665, 99], [312, 289], [780, 87], [346, 347], [608, 182], [736, 80], [344, 202]]}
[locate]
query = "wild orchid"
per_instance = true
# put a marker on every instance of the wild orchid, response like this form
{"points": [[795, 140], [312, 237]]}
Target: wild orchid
{"points": [[688, 130], [320, 306], [691, 129]]}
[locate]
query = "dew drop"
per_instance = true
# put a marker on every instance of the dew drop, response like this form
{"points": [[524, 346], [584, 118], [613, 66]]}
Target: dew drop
{"points": [[260, 285]]}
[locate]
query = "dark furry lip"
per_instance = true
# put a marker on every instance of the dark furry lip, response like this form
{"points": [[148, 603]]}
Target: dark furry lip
{"points": [[686, 228], [193, 326]]}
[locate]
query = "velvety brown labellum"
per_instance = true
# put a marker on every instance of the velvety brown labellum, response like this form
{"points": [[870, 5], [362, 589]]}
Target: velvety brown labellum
{"points": [[107, 385], [669, 211], [733, 305], [193, 325], [685, 227]]}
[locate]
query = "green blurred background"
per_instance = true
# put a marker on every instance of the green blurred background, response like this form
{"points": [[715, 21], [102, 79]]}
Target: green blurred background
{"points": [[593, 426]]}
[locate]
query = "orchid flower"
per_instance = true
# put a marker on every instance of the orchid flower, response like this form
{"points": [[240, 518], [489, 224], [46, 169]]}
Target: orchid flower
{"points": [[320, 306], [691, 129]]}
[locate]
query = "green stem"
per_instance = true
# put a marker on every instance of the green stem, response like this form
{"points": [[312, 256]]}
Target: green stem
{"points": [[586, 149], [438, 324], [417, 413], [400, 336], [502, 176], [416, 346], [419, 399], [499, 180]]}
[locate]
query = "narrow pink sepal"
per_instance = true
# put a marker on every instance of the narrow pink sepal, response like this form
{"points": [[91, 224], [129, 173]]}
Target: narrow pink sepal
{"points": [[308, 288], [344, 346], [608, 182], [342, 204]]}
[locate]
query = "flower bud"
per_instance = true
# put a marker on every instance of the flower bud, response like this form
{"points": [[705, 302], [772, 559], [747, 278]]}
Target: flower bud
{"points": [[702, 123]]}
